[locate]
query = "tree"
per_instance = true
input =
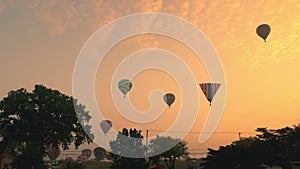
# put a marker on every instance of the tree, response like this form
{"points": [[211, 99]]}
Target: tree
{"points": [[269, 147], [31, 121], [241, 154], [180, 150], [72, 165], [128, 145], [278, 145]]}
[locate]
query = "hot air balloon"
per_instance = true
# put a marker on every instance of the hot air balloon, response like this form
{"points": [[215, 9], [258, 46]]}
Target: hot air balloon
{"points": [[86, 153], [81, 158], [52, 152], [263, 31], [99, 153], [169, 98], [105, 125], [209, 90], [125, 85]]}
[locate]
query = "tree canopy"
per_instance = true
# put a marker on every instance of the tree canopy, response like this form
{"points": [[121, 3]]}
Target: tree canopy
{"points": [[180, 150], [270, 147], [125, 150], [31, 121], [125, 146]]}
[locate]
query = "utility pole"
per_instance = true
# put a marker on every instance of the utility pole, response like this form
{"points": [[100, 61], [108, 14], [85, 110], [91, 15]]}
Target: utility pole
{"points": [[147, 134], [240, 135]]}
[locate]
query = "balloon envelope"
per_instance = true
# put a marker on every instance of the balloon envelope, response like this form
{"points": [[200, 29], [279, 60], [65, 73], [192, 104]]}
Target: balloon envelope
{"points": [[169, 98], [99, 153], [86, 153], [263, 31], [81, 158], [209, 90], [125, 85], [105, 125], [52, 152]]}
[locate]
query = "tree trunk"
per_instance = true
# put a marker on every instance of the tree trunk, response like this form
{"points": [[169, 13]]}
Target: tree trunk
{"points": [[173, 163], [1, 154], [166, 161]]}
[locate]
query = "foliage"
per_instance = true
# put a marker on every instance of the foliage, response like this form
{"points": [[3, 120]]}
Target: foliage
{"points": [[72, 165], [268, 148], [124, 146], [180, 150], [237, 155], [31, 121], [128, 143], [30, 155]]}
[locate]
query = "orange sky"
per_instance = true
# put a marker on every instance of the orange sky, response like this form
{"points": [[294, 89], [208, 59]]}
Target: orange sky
{"points": [[41, 40]]}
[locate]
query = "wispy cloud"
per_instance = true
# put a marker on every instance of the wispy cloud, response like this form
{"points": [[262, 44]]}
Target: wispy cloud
{"points": [[2, 6], [68, 14], [229, 24], [59, 15]]}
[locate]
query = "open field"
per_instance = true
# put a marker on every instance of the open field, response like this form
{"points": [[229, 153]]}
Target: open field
{"points": [[180, 164]]}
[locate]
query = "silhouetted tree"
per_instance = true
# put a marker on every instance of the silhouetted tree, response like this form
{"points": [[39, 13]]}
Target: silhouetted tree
{"points": [[126, 147], [268, 148], [72, 165], [277, 145], [239, 154], [180, 150], [30, 121]]}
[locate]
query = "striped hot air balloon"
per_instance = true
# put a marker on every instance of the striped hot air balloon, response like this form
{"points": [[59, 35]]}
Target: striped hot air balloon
{"points": [[209, 90], [125, 85], [86, 153]]}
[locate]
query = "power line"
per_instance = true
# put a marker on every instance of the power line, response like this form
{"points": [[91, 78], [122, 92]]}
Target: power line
{"points": [[147, 132], [190, 132]]}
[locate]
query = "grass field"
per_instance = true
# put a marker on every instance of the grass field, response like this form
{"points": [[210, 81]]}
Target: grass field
{"points": [[180, 164]]}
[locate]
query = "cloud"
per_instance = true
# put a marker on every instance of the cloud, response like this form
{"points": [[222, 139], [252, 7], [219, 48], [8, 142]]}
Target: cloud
{"points": [[282, 43], [68, 14], [2, 6], [59, 15], [229, 24]]}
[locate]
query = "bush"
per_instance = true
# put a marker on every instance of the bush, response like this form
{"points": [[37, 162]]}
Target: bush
{"points": [[72, 165]]}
